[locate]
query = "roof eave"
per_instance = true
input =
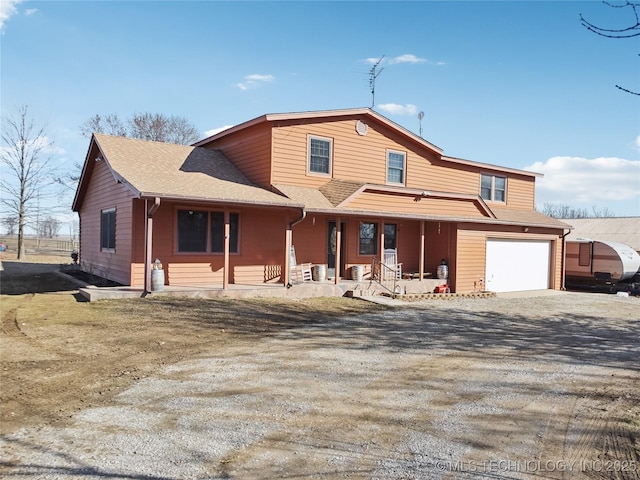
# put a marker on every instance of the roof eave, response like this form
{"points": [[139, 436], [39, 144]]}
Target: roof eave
{"points": [[233, 201], [490, 166], [439, 218]]}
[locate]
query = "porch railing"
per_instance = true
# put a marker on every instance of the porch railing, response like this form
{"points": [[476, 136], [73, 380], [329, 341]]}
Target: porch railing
{"points": [[384, 275]]}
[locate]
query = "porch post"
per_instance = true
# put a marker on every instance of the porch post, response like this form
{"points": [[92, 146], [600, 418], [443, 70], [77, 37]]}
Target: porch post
{"points": [[381, 253], [148, 234], [225, 273], [338, 244], [287, 256], [421, 269]]}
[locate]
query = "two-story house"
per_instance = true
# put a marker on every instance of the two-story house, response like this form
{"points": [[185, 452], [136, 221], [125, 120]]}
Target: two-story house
{"points": [[341, 186]]}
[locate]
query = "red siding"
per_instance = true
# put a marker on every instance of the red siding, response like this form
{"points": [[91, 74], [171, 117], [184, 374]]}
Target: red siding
{"points": [[103, 193]]}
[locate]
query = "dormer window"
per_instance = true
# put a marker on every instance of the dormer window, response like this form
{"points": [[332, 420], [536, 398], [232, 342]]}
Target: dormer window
{"points": [[319, 155], [396, 167], [493, 188]]}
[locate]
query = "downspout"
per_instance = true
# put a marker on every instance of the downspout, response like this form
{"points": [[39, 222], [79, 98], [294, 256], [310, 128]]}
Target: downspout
{"points": [[148, 235], [288, 242], [564, 259]]}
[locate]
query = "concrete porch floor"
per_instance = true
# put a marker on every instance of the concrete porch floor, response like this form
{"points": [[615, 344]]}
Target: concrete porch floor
{"points": [[328, 288]]}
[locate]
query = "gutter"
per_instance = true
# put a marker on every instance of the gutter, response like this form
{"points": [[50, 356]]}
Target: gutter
{"points": [[288, 244], [303, 215], [564, 260]]}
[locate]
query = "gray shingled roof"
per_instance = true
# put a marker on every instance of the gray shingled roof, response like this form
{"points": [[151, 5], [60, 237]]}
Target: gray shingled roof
{"points": [[179, 171]]}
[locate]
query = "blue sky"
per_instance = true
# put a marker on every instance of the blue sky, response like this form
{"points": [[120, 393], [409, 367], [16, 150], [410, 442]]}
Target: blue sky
{"points": [[513, 83]]}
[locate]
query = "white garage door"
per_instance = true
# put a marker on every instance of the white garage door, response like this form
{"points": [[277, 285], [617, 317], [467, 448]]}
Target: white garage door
{"points": [[515, 265]]}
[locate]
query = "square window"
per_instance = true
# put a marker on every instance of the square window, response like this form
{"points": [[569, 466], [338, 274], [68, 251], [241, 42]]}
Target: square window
{"points": [[108, 230], [395, 167], [368, 238], [319, 155], [493, 188], [198, 229], [192, 231]]}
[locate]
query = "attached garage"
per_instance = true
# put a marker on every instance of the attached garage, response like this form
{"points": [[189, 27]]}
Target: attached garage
{"points": [[516, 265]]}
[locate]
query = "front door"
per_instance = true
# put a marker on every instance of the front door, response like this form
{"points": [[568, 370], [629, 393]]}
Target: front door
{"points": [[331, 249]]}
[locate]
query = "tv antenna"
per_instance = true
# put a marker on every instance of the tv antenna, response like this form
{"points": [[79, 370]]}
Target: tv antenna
{"points": [[420, 117], [372, 80]]}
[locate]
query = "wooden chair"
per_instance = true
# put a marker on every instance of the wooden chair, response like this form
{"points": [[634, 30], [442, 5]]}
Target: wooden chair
{"points": [[302, 272], [390, 259]]}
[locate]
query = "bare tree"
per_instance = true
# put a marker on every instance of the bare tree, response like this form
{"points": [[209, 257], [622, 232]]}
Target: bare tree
{"points": [[560, 210], [633, 30], [10, 223], [111, 125], [27, 174], [601, 212], [146, 126], [49, 227]]}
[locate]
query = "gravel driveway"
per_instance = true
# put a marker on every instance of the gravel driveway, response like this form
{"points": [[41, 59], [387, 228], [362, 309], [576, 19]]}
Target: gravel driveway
{"points": [[539, 387]]}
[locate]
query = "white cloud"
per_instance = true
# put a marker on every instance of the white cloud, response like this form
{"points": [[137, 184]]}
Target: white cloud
{"points": [[584, 181], [7, 9], [406, 58], [213, 131], [254, 81], [395, 109], [31, 11], [637, 144], [372, 60]]}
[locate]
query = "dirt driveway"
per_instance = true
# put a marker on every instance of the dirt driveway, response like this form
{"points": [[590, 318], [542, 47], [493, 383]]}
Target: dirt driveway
{"points": [[167, 389]]}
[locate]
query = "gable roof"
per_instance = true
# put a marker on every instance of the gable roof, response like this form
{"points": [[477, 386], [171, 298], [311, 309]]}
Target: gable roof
{"points": [[157, 169], [355, 113], [616, 229]]}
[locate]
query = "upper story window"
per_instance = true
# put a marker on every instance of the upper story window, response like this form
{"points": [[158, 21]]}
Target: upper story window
{"points": [[203, 231], [395, 167], [108, 230], [319, 155], [493, 188]]}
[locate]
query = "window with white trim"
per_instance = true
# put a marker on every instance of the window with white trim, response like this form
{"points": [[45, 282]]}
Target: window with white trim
{"points": [[108, 229], [493, 188], [395, 167], [319, 155]]}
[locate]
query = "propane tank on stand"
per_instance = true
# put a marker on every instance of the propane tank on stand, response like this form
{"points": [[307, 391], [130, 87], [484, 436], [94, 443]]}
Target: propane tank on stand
{"points": [[157, 276], [443, 270]]}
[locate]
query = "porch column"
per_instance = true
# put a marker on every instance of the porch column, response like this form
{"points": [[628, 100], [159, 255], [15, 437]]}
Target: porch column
{"points": [[421, 269], [287, 256], [227, 230], [148, 234], [382, 244], [338, 244]]}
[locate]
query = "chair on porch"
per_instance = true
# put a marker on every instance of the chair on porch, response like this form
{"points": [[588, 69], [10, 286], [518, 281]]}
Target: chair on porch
{"points": [[390, 259], [299, 273]]}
